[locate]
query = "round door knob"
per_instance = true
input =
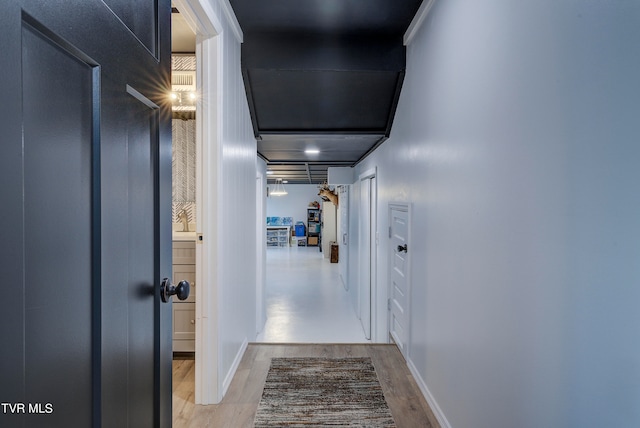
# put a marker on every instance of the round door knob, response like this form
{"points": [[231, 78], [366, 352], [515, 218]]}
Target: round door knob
{"points": [[167, 289]]}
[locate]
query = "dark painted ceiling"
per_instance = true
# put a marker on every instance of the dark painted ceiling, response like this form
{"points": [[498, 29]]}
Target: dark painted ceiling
{"points": [[324, 75]]}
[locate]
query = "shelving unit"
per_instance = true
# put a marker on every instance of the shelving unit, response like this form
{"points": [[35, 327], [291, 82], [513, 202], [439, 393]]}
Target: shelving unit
{"points": [[314, 217], [278, 236]]}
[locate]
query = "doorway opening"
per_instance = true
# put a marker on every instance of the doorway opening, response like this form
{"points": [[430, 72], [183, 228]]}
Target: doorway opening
{"points": [[183, 211], [368, 245], [206, 25], [185, 187], [306, 299]]}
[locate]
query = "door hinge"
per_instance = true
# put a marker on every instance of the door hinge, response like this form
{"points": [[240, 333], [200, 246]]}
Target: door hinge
{"points": [[390, 232], [388, 304]]}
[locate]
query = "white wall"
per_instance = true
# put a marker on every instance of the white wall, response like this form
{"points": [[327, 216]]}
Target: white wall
{"points": [[261, 243], [229, 255], [517, 141], [237, 261], [294, 204]]}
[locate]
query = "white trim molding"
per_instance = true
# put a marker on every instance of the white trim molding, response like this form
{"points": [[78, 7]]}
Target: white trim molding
{"points": [[206, 23], [417, 21], [437, 412], [371, 172], [200, 17], [234, 367], [232, 19]]}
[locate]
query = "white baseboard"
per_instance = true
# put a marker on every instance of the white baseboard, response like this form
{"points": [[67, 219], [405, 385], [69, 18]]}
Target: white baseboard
{"points": [[232, 371], [437, 411]]}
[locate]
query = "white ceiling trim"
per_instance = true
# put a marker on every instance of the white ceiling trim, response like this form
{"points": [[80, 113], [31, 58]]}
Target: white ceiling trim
{"points": [[417, 21], [200, 17]]}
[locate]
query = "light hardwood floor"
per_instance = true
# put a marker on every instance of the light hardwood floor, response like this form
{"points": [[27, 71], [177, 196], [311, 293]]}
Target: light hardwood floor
{"points": [[238, 408]]}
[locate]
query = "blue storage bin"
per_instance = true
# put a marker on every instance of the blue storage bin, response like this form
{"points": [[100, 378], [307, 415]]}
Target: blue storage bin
{"points": [[300, 229]]}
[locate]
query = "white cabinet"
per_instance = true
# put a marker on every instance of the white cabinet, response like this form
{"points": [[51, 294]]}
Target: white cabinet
{"points": [[184, 311], [278, 236]]}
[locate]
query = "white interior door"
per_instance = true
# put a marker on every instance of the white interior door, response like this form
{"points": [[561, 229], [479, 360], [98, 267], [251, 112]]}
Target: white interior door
{"points": [[367, 252], [343, 235], [399, 287]]}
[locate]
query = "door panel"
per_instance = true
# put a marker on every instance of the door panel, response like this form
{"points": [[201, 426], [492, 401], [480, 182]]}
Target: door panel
{"points": [[58, 234], [367, 252], [130, 304], [184, 327], [364, 291], [399, 287], [141, 144], [85, 167], [140, 17], [343, 236]]}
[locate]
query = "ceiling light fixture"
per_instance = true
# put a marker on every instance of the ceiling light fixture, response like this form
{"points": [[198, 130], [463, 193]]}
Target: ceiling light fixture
{"points": [[279, 190], [183, 100], [312, 151]]}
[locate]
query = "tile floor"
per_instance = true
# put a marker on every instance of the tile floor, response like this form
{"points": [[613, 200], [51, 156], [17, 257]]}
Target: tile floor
{"points": [[306, 301]]}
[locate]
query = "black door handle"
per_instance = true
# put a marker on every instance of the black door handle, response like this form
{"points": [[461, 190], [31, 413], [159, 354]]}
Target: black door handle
{"points": [[402, 248], [167, 289]]}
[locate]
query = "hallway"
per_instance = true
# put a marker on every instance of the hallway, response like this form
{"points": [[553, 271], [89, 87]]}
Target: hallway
{"points": [[305, 300], [238, 408]]}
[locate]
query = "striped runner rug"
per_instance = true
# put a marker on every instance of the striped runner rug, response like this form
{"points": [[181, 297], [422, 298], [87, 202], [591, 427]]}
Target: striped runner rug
{"points": [[304, 392]]}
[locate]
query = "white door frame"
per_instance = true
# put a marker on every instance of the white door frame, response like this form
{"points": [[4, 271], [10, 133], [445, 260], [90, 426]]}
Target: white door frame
{"points": [[261, 197], [343, 234], [207, 26], [368, 257]]}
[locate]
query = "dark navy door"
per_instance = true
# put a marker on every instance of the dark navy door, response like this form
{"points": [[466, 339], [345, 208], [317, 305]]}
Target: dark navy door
{"points": [[85, 177]]}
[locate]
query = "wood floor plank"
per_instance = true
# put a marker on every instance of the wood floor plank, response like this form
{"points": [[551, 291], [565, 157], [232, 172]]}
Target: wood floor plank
{"points": [[400, 389], [238, 408]]}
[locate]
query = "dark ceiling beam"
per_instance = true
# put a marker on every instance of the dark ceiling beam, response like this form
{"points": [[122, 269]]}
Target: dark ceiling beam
{"points": [[326, 16], [291, 77], [323, 74], [279, 51], [329, 102], [312, 133]]}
